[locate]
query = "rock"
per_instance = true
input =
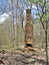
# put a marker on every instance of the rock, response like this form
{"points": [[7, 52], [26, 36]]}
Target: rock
{"points": [[1, 61], [22, 58]]}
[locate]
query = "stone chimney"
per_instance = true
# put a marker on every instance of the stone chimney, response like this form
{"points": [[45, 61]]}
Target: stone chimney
{"points": [[28, 29]]}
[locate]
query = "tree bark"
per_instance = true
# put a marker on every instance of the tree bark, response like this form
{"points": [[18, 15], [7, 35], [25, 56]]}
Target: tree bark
{"points": [[46, 49]]}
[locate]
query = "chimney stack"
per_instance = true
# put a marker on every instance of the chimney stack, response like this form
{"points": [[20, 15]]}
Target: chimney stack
{"points": [[28, 29]]}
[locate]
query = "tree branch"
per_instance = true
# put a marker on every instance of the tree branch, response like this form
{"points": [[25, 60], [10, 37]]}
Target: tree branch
{"points": [[41, 17]]}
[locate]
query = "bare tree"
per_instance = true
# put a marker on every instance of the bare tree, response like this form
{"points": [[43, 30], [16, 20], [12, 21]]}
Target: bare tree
{"points": [[12, 27], [44, 20]]}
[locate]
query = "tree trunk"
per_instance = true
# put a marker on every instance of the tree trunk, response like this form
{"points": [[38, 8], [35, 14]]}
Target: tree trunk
{"points": [[46, 49]]}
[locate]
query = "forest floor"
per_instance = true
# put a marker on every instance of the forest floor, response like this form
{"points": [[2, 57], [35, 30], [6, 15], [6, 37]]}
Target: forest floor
{"points": [[18, 57]]}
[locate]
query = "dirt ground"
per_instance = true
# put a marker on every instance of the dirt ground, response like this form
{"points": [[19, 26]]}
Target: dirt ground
{"points": [[22, 58]]}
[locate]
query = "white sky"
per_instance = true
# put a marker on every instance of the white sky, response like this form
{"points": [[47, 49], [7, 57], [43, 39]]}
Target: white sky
{"points": [[33, 6], [3, 17]]}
